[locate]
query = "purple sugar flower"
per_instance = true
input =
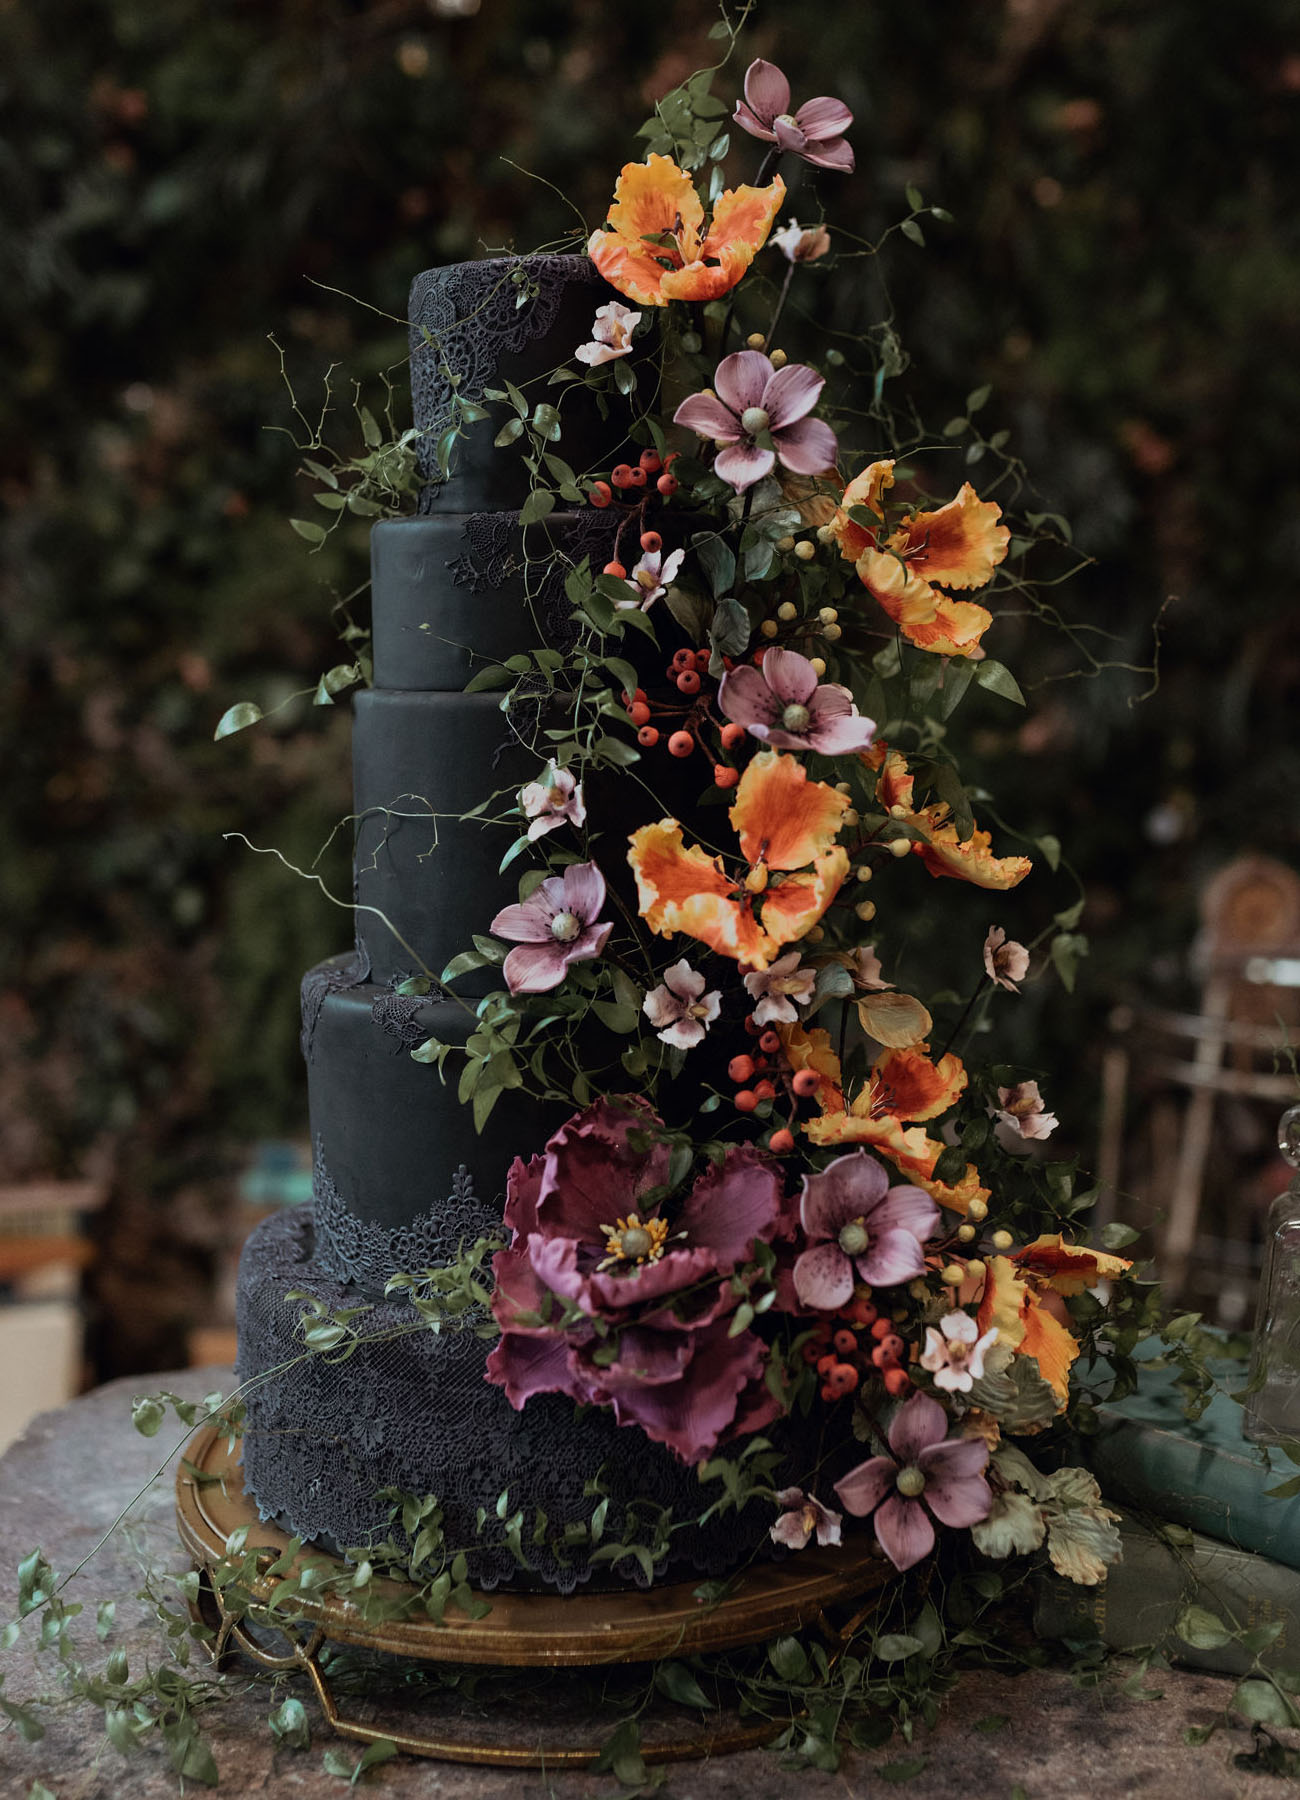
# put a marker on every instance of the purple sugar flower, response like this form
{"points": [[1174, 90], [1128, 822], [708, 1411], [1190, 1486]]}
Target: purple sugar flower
{"points": [[555, 926], [553, 801], [679, 1008], [945, 1475], [804, 1514], [781, 989], [753, 401], [854, 1219], [785, 706], [815, 132]]}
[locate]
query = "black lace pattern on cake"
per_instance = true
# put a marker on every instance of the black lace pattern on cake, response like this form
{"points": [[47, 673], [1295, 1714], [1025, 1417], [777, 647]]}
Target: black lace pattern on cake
{"points": [[466, 318], [399, 1016], [364, 1253], [412, 1409], [332, 977]]}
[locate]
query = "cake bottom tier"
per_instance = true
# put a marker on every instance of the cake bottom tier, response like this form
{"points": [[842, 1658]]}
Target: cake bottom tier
{"points": [[412, 1410]]}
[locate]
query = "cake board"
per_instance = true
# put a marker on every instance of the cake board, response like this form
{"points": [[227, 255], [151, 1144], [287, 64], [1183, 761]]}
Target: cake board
{"points": [[543, 1631]]}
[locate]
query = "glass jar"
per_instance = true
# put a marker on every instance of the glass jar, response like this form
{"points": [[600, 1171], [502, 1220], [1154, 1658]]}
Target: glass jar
{"points": [[1273, 1409]]}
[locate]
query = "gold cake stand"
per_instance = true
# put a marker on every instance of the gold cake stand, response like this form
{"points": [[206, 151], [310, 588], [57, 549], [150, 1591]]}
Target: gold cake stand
{"points": [[521, 1631]]}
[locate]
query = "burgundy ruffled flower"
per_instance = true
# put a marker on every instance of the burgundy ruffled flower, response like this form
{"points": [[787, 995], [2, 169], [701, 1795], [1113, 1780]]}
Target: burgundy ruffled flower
{"points": [[815, 132], [855, 1220], [785, 706], [944, 1475], [753, 399], [653, 1302], [556, 925]]}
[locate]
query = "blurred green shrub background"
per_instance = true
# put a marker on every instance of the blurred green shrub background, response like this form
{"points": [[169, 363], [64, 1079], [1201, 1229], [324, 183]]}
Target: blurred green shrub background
{"points": [[178, 181]]}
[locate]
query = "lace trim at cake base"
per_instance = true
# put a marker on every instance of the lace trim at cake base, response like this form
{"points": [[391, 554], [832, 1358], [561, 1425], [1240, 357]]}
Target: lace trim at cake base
{"points": [[365, 1254]]}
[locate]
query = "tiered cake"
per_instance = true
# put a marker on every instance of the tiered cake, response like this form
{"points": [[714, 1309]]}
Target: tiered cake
{"points": [[401, 1178]]}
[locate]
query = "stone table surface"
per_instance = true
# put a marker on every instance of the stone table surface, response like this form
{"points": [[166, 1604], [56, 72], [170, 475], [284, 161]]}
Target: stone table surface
{"points": [[66, 1480]]}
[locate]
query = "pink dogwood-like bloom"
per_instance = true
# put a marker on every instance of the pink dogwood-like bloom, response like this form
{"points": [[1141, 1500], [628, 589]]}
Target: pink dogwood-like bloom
{"points": [[652, 576], [611, 334], [679, 1008], [815, 132], [557, 925], [855, 1220], [785, 706], [780, 989], [954, 1354], [803, 1516], [553, 801], [933, 1474], [658, 1286], [754, 401], [1024, 1111], [1005, 962]]}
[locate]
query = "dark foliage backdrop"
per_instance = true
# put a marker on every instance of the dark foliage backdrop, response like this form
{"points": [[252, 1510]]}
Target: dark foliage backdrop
{"points": [[178, 180]]}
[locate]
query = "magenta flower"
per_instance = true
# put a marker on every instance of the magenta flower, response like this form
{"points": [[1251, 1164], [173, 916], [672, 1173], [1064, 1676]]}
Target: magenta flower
{"points": [[679, 1008], [1024, 1111], [1005, 961], [780, 990], [555, 926], [786, 707], [803, 1516], [611, 335], [855, 1220], [944, 1475], [553, 801], [754, 402], [647, 1300], [815, 132]]}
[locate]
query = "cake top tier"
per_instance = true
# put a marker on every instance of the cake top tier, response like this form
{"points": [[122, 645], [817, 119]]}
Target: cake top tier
{"points": [[479, 325]]}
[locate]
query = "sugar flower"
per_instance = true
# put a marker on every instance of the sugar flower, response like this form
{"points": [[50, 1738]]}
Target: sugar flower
{"points": [[556, 925], [757, 416], [655, 246], [802, 243], [611, 334], [855, 1220], [1023, 1110], [934, 1474], [907, 571], [648, 1305], [935, 839], [651, 577], [815, 132], [793, 867], [864, 967], [679, 1008], [779, 989], [1005, 961], [954, 1354], [803, 1516], [553, 801], [783, 704]]}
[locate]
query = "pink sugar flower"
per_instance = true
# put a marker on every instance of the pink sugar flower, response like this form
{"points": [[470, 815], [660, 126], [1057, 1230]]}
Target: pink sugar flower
{"points": [[815, 132], [785, 706], [754, 400], [855, 1220], [801, 243], [934, 1474], [679, 1008], [803, 1516], [553, 801], [780, 989], [864, 967], [954, 1354], [557, 925], [652, 576], [1006, 962], [611, 334], [1023, 1110]]}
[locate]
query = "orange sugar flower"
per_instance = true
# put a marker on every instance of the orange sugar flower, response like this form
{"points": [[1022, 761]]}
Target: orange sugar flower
{"points": [[937, 843], [656, 247], [794, 869], [1068, 1268], [1025, 1325], [956, 547]]}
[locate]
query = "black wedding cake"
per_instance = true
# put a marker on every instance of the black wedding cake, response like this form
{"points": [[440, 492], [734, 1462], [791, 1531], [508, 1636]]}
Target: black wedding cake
{"points": [[402, 1180]]}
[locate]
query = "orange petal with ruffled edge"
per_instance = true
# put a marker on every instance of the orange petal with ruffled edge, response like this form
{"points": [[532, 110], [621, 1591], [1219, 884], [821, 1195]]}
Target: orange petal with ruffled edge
{"points": [[1052, 1346], [1069, 1268], [1003, 1302], [650, 198], [741, 221], [958, 545], [924, 614], [973, 861], [908, 1085], [783, 819], [894, 782], [955, 630], [912, 1153], [792, 906], [811, 1049], [867, 489], [687, 890], [1024, 1325]]}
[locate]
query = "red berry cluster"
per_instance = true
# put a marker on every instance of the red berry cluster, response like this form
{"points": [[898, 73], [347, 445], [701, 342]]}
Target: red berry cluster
{"points": [[841, 1358], [633, 476]]}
